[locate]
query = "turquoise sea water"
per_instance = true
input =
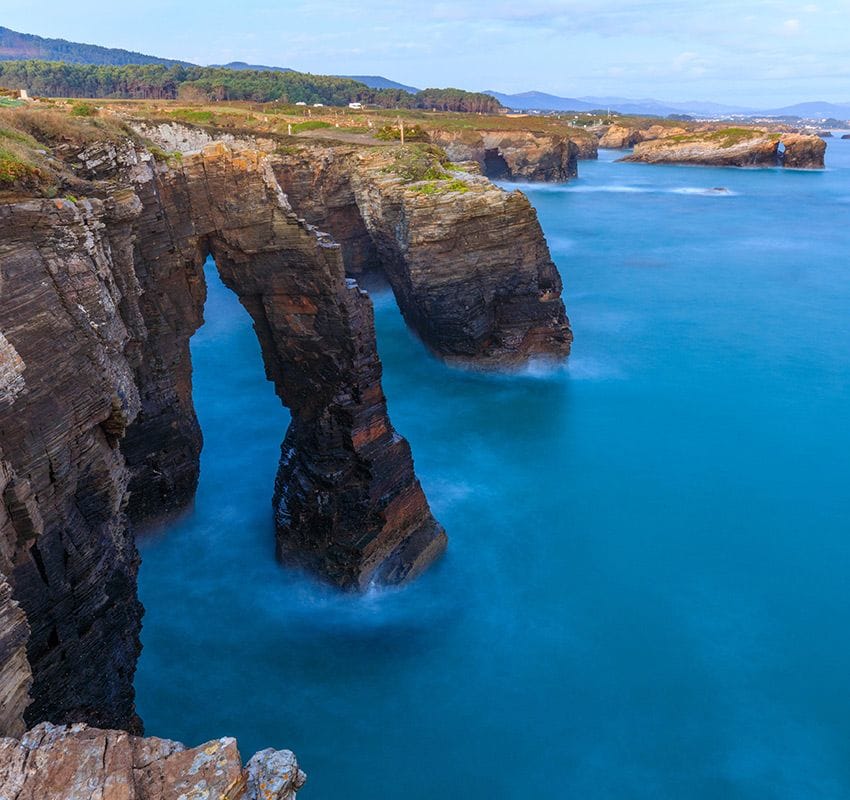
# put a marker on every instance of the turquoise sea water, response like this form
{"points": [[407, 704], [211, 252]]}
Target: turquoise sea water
{"points": [[646, 593]]}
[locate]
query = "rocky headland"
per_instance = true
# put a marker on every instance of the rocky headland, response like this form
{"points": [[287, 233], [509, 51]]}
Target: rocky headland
{"points": [[732, 147], [623, 137], [103, 235]]}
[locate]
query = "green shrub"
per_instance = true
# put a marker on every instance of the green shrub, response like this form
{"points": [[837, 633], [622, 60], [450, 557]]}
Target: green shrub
{"points": [[15, 169], [83, 110]]}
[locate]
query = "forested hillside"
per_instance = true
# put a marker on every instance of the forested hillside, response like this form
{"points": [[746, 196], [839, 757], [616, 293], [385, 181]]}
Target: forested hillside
{"points": [[211, 84], [15, 46]]}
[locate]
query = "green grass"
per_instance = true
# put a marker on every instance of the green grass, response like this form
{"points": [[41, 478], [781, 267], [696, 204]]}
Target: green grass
{"points": [[419, 162], [197, 117], [14, 168], [392, 133], [310, 125], [83, 110], [441, 186], [12, 135]]}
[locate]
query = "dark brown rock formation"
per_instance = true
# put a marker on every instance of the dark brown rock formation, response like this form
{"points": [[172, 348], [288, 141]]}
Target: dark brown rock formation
{"points": [[100, 298], [67, 312], [71, 763], [470, 268], [467, 261]]}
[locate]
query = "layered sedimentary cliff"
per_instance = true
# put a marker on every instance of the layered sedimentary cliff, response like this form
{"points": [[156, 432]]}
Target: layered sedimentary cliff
{"points": [[76, 762], [517, 155], [100, 297], [734, 148], [69, 314], [469, 266], [623, 137], [802, 151], [15, 673], [467, 261]]}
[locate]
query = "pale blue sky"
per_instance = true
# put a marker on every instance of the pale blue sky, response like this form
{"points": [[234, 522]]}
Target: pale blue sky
{"points": [[761, 52]]}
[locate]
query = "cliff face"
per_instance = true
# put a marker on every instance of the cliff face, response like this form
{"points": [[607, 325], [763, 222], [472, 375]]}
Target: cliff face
{"points": [[69, 313], [348, 504], [100, 297], [470, 268], [733, 148], [622, 137], [15, 673], [76, 762], [467, 261], [517, 155], [803, 151]]}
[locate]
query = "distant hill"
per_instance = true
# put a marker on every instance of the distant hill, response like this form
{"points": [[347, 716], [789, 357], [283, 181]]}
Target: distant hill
{"points": [[540, 101], [241, 65], [378, 82], [16, 46], [816, 109]]}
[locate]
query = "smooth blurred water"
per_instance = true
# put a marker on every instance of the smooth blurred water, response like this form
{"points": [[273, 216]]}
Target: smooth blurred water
{"points": [[646, 593]]}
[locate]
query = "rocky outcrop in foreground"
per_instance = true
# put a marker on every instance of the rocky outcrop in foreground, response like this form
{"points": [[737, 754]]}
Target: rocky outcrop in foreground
{"points": [[76, 762], [736, 147]]}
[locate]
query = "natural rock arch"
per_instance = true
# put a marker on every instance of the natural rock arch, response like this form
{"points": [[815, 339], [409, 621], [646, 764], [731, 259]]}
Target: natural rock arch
{"points": [[347, 502]]}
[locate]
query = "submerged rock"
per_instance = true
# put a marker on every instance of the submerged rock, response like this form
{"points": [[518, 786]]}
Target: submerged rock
{"points": [[77, 762]]}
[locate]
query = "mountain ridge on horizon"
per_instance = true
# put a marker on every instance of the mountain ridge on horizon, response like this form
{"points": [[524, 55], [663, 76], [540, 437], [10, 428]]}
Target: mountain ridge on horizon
{"points": [[543, 101]]}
